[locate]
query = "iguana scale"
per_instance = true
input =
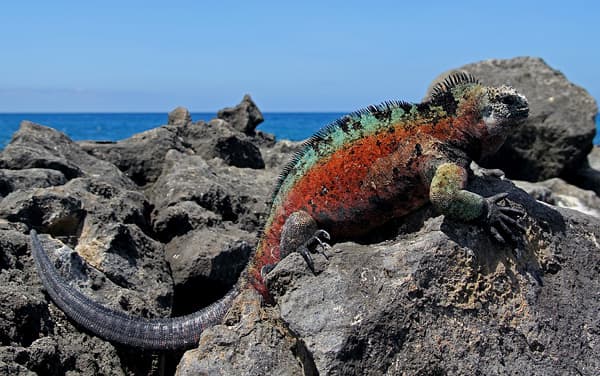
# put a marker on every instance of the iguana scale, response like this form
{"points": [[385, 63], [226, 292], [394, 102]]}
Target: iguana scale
{"points": [[358, 173]]}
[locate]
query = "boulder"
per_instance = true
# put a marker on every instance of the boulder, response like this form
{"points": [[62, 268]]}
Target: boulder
{"points": [[230, 194], [142, 155], [557, 137], [207, 215], [280, 154], [588, 176], [560, 193], [252, 341], [12, 180], [594, 158], [217, 139], [244, 117], [209, 259], [179, 116], [36, 146]]}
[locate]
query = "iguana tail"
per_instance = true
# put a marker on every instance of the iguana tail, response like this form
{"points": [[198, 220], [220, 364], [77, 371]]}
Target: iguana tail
{"points": [[160, 333]]}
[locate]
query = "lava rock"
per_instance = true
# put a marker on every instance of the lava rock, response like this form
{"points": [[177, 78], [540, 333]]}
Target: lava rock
{"points": [[190, 179], [142, 155], [36, 146], [594, 158], [251, 342], [210, 259], [280, 154], [558, 135], [179, 116], [244, 117], [588, 176], [560, 193], [232, 194], [217, 139], [46, 210], [12, 180]]}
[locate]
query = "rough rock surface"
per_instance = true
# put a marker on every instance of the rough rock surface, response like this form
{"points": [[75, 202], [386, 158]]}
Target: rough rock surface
{"points": [[588, 176], [223, 205], [252, 341], [12, 180], [140, 156], [557, 137], [218, 139], [594, 158], [560, 193], [36, 146], [207, 257], [244, 117], [186, 227], [179, 116], [219, 193]]}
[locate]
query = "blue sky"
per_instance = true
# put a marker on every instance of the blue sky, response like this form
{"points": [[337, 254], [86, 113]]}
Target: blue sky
{"points": [[290, 56]]}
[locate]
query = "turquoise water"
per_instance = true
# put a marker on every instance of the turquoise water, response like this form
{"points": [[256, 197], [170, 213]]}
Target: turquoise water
{"points": [[113, 127], [117, 126]]}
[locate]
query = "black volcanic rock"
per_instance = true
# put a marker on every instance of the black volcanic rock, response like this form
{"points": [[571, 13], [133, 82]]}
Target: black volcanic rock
{"points": [[13, 180], [179, 116], [140, 156], [217, 139], [37, 146], [244, 117]]}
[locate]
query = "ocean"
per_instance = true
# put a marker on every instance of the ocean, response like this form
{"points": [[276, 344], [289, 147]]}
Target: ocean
{"points": [[117, 126]]}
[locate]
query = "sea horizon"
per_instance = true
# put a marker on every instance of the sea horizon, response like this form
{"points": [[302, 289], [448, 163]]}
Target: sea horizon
{"points": [[115, 126]]}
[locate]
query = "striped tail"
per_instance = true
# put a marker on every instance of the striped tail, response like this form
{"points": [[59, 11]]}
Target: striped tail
{"points": [[160, 333]]}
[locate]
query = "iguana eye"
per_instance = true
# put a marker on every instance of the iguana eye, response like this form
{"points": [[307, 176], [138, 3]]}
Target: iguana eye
{"points": [[509, 100]]}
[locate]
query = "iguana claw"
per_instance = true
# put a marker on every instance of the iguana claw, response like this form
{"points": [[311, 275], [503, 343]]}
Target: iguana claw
{"points": [[502, 219], [309, 247]]}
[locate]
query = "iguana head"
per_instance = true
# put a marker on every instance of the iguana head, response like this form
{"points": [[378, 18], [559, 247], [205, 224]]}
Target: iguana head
{"points": [[488, 114], [502, 108]]}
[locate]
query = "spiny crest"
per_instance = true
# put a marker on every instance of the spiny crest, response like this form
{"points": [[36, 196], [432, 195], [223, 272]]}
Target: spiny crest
{"points": [[379, 111], [451, 82]]}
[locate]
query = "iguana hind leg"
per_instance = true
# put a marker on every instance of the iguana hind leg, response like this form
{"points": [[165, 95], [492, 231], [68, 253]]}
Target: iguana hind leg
{"points": [[301, 234]]}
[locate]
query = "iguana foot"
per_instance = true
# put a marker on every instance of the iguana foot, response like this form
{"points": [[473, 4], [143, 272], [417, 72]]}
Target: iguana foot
{"points": [[266, 270], [300, 234], [312, 245], [502, 220]]}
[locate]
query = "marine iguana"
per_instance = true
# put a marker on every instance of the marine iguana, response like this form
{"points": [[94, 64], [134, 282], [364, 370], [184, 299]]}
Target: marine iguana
{"points": [[357, 173]]}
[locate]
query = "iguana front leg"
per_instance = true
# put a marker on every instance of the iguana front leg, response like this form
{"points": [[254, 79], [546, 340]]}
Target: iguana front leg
{"points": [[447, 193]]}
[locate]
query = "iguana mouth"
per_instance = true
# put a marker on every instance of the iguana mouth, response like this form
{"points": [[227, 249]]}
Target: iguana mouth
{"points": [[519, 113]]}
